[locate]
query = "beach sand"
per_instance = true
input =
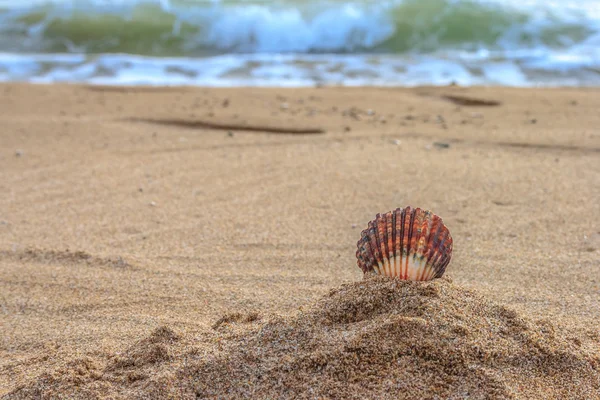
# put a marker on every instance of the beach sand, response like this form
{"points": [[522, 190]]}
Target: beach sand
{"points": [[158, 242]]}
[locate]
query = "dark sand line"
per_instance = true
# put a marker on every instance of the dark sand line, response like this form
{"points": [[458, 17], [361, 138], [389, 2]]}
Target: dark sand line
{"points": [[470, 101], [198, 124], [64, 257]]}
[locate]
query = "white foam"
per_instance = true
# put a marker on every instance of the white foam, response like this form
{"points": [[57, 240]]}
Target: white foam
{"points": [[267, 29], [504, 73], [298, 70]]}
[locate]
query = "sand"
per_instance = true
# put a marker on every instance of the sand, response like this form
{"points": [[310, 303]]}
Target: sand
{"points": [[179, 242]]}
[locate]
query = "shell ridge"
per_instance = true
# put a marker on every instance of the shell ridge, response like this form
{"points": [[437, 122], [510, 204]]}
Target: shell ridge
{"points": [[372, 250], [439, 246], [384, 244], [425, 257], [374, 263], [359, 252], [419, 239], [448, 256], [390, 241], [360, 258], [419, 243], [405, 222], [401, 249], [397, 247], [393, 240], [364, 260], [442, 268], [373, 243], [432, 249], [445, 260], [410, 236], [365, 256], [381, 241]]}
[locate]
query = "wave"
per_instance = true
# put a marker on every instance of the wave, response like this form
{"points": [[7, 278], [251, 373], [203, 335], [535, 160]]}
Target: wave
{"points": [[301, 42], [199, 28]]}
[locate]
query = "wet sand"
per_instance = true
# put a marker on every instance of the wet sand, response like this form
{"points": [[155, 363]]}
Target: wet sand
{"points": [[133, 220]]}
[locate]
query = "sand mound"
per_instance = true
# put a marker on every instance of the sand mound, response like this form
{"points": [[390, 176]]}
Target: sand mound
{"points": [[385, 338], [152, 350], [123, 375], [378, 338]]}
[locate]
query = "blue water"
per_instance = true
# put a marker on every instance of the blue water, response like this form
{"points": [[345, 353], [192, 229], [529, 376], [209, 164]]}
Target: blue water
{"points": [[301, 43]]}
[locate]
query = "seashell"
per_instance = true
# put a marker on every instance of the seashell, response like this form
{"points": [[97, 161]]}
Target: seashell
{"points": [[410, 243]]}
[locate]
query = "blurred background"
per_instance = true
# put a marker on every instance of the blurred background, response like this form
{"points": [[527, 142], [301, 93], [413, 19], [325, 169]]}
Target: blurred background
{"points": [[301, 42]]}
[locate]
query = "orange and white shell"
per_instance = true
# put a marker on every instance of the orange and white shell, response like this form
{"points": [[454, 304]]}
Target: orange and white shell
{"points": [[408, 243]]}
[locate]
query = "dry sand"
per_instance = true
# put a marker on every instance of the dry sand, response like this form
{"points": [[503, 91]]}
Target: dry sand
{"points": [[161, 243]]}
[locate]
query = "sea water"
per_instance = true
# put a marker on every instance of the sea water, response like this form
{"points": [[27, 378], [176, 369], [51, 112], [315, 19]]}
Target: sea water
{"points": [[301, 42]]}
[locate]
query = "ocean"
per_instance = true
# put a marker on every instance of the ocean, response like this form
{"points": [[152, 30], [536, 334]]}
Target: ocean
{"points": [[298, 43]]}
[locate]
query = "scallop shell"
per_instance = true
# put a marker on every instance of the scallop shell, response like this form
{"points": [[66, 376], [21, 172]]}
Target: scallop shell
{"points": [[410, 243]]}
